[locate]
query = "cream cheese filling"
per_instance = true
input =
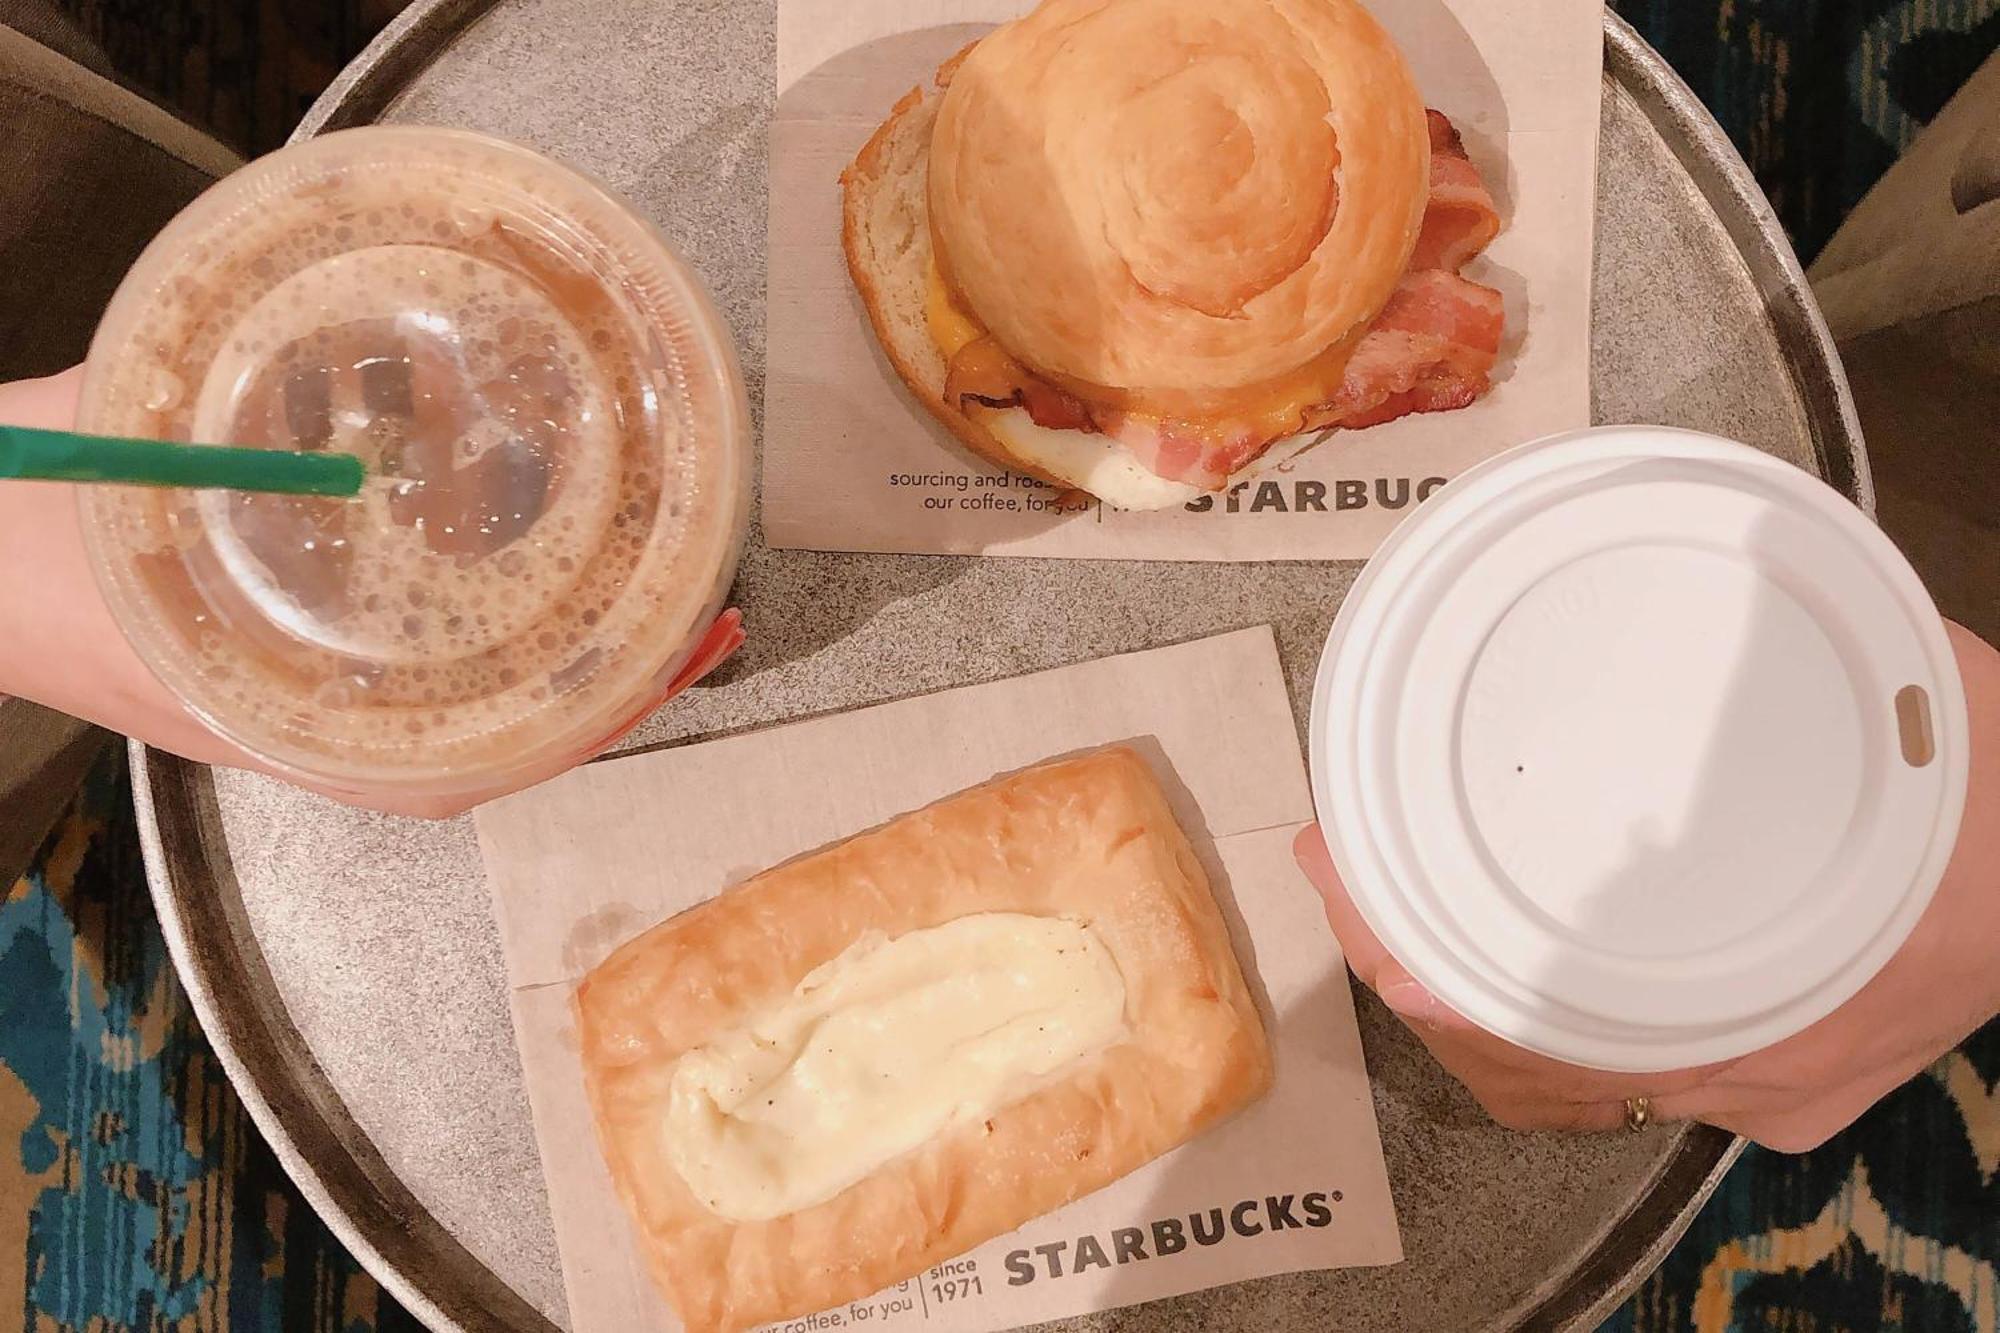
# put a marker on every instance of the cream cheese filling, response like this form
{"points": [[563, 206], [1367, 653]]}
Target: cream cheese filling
{"points": [[882, 1048]]}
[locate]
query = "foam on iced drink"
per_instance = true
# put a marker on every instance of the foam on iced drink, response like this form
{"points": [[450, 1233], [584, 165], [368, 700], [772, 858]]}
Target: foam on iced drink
{"points": [[544, 524], [486, 425]]}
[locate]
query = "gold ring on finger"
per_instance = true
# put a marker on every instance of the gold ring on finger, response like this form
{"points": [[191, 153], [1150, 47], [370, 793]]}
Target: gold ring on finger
{"points": [[1638, 1113]]}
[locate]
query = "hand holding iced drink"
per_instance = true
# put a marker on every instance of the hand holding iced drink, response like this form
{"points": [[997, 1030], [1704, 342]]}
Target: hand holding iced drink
{"points": [[557, 444]]}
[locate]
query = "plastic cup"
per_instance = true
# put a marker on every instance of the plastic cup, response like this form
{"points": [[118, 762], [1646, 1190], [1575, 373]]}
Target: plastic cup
{"points": [[556, 434], [1639, 748]]}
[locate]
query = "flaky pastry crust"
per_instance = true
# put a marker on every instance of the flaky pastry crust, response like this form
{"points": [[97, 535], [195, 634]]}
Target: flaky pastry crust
{"points": [[1090, 838]]}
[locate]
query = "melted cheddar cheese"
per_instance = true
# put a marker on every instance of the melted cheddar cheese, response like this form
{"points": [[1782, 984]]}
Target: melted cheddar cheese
{"points": [[951, 328], [1272, 411]]}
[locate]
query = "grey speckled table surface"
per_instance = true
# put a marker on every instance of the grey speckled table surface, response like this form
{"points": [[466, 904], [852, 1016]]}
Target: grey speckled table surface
{"points": [[376, 934]]}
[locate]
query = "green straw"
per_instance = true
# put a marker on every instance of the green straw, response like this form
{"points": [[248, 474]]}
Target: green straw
{"points": [[55, 455]]}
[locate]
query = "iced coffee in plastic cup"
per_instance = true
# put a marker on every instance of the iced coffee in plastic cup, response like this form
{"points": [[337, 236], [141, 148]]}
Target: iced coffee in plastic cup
{"points": [[1639, 748], [555, 433]]}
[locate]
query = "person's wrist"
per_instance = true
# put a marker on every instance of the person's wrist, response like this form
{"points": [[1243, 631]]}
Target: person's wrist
{"points": [[59, 643]]}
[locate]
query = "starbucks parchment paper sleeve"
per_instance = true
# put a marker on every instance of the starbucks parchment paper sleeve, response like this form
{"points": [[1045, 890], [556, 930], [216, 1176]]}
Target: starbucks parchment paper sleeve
{"points": [[1295, 1182], [852, 462]]}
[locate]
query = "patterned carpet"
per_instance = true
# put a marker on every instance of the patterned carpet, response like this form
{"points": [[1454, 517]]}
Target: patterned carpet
{"points": [[141, 1197]]}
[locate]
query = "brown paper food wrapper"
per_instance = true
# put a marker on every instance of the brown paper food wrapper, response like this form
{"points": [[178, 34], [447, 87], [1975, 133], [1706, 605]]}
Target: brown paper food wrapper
{"points": [[852, 462], [1294, 1182]]}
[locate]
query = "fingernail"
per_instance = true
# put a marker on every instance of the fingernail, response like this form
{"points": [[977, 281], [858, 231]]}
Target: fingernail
{"points": [[1409, 999], [1306, 854]]}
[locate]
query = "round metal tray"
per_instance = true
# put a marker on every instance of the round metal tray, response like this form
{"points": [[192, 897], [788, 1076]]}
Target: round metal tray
{"points": [[346, 966]]}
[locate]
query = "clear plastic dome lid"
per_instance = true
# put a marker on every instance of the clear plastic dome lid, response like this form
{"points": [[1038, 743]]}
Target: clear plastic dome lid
{"points": [[555, 434]]}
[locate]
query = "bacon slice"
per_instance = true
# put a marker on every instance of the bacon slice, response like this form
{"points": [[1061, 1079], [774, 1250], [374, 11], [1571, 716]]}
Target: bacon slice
{"points": [[1431, 349], [1196, 453], [983, 372], [1461, 219]]}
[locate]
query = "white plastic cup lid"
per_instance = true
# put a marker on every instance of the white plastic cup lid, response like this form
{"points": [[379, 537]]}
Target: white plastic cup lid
{"points": [[1639, 748]]}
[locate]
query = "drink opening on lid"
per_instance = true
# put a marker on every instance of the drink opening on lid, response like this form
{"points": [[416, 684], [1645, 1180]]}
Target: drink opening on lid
{"points": [[1913, 726]]}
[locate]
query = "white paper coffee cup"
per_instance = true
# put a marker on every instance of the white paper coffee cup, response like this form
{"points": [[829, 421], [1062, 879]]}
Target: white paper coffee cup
{"points": [[1639, 748]]}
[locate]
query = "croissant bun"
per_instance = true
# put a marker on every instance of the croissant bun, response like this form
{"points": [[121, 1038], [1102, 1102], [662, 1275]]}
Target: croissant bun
{"points": [[1178, 199]]}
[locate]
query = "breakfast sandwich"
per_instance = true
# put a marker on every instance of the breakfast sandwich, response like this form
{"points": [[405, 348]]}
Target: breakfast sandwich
{"points": [[1143, 247]]}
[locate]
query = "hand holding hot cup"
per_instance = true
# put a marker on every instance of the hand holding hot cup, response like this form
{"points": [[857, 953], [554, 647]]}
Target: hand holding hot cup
{"points": [[1641, 763], [1792, 1096]]}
